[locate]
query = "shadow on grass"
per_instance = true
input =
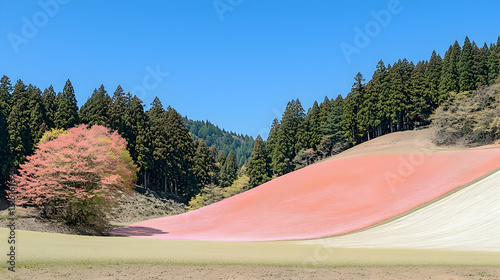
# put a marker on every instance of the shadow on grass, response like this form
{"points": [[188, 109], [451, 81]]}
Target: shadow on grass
{"points": [[136, 231]]}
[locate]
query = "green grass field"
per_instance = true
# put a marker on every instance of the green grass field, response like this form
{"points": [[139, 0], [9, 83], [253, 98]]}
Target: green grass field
{"points": [[35, 249]]}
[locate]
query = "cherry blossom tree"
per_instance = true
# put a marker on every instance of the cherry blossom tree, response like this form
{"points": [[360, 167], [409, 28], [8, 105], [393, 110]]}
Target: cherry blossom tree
{"points": [[76, 177]]}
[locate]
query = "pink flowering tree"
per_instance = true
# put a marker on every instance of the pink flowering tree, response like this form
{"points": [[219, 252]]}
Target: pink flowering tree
{"points": [[76, 177]]}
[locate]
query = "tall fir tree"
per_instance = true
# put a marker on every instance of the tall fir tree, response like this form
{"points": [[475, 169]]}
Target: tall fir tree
{"points": [[258, 166], [324, 110], [379, 87], [37, 114], [312, 134], [449, 76], [160, 147], [203, 164], [5, 154], [420, 106], [49, 103], [229, 171], [138, 145], [181, 155], [350, 123], [333, 126], [493, 65], [480, 65], [465, 67], [66, 115], [272, 141], [20, 142], [117, 111], [96, 108], [287, 140], [433, 77]]}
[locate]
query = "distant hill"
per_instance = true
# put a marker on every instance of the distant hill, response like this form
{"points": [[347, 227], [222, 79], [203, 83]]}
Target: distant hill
{"points": [[223, 140]]}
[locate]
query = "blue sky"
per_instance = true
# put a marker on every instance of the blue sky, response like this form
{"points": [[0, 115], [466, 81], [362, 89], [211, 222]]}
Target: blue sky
{"points": [[234, 62]]}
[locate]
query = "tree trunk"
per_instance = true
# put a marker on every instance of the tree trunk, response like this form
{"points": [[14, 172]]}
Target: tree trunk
{"points": [[175, 187], [165, 184], [145, 181], [368, 133]]}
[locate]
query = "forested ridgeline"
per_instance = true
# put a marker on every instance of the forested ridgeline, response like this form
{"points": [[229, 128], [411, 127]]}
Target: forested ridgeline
{"points": [[223, 140], [158, 140], [398, 97]]}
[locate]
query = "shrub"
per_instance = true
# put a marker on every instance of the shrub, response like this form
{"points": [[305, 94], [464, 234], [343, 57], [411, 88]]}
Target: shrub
{"points": [[470, 118]]}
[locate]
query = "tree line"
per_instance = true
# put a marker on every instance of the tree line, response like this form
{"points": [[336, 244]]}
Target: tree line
{"points": [[158, 140], [398, 97]]}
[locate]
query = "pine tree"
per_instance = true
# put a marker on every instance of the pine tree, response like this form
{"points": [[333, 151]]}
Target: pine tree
{"points": [[313, 134], [287, 139], [5, 95], [66, 115], [203, 164], [160, 146], [493, 65], [37, 115], [399, 93], [258, 166], [4, 149], [433, 77], [229, 171], [136, 121], [465, 67], [333, 126], [324, 110], [272, 141], [379, 87], [480, 65], [180, 158], [21, 144], [96, 108], [350, 123], [5, 163], [49, 103], [117, 108], [367, 114], [450, 75], [420, 106]]}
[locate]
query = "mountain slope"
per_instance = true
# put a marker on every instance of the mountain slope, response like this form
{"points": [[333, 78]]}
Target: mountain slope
{"points": [[223, 140], [330, 198]]}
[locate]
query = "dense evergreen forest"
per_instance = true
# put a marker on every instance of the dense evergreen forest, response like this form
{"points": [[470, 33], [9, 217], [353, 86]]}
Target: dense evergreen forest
{"points": [[223, 140], [159, 141], [180, 157], [399, 96]]}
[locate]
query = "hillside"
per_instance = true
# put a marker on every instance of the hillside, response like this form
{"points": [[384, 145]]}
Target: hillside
{"points": [[366, 185], [223, 140]]}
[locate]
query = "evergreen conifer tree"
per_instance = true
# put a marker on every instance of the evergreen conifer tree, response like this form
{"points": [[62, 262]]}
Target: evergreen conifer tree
{"points": [[66, 114], [258, 165]]}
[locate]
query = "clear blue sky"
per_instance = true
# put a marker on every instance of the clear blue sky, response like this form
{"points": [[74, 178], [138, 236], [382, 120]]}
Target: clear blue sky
{"points": [[236, 67]]}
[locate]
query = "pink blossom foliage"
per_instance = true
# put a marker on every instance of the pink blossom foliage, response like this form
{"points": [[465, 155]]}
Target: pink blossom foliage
{"points": [[83, 164]]}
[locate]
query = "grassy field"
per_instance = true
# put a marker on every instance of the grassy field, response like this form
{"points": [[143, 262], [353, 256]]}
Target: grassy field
{"points": [[35, 249]]}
